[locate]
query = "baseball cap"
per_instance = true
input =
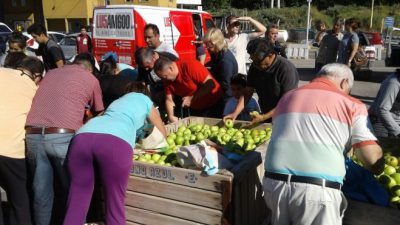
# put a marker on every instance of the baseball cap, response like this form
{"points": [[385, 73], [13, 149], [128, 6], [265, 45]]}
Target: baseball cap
{"points": [[110, 54]]}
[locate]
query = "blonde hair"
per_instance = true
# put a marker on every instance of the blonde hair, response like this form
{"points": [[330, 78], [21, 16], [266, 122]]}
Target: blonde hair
{"points": [[216, 37]]}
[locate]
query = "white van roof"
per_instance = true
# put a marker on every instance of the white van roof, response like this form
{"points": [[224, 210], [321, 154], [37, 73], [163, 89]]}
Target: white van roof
{"points": [[146, 7]]}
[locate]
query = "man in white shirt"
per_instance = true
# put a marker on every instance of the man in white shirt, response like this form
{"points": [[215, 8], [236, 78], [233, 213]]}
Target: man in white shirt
{"points": [[152, 38], [237, 42]]}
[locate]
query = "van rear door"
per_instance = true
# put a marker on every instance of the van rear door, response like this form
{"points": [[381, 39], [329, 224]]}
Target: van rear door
{"points": [[183, 32], [113, 30]]}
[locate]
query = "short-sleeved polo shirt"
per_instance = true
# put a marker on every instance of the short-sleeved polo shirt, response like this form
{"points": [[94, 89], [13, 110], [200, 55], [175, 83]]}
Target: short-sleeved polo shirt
{"points": [[191, 76], [62, 97]]}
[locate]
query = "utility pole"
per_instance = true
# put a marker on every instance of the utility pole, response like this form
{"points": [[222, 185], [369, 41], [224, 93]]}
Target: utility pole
{"points": [[308, 20], [372, 13], [279, 4], [272, 4]]}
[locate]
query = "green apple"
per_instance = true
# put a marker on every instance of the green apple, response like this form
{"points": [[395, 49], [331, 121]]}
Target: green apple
{"points": [[187, 132], [135, 157], [198, 127], [142, 159], [214, 129], [182, 128], [395, 199], [161, 163], [246, 132], [172, 135], [168, 164], [199, 137], [238, 134], [391, 161], [186, 143], [396, 177], [170, 140], [255, 133], [387, 181], [163, 158], [226, 137], [206, 127], [389, 170], [228, 123], [151, 161], [240, 142], [147, 156], [179, 140], [179, 134], [155, 157], [222, 130], [396, 190]]}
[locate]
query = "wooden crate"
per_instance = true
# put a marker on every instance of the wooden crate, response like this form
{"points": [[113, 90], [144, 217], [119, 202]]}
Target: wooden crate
{"points": [[170, 195]]}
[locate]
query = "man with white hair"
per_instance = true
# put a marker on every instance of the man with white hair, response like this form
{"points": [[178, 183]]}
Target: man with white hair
{"points": [[313, 127]]}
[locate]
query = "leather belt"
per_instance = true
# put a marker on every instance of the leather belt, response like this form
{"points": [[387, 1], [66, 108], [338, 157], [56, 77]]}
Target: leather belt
{"points": [[48, 130], [302, 179]]}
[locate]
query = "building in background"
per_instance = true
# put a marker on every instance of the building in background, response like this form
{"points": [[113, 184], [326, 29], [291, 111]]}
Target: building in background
{"points": [[63, 15]]}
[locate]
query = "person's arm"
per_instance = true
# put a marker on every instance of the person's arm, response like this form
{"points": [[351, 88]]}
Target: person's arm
{"points": [[77, 44], [260, 29], [204, 89], [169, 107], [155, 119], [371, 157], [247, 93], [89, 44], [58, 56], [385, 101], [262, 117]]}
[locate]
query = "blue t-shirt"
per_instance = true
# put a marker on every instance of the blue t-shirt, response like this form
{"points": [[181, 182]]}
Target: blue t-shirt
{"points": [[345, 46], [251, 106], [122, 118]]}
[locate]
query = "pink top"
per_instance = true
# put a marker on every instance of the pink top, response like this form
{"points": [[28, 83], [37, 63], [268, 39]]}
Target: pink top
{"points": [[62, 97]]}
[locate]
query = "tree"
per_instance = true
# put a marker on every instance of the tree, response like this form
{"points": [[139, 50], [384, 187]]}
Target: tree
{"points": [[216, 4]]}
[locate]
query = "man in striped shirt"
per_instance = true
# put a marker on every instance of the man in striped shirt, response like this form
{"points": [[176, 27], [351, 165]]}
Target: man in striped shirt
{"points": [[313, 127]]}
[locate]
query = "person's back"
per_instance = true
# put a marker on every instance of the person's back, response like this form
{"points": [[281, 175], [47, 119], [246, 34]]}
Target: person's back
{"points": [[62, 96], [318, 133]]}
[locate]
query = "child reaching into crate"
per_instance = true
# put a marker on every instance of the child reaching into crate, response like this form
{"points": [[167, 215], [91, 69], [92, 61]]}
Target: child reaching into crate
{"points": [[238, 84]]}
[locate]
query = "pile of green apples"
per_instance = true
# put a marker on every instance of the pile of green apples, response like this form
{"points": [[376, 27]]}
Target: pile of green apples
{"points": [[167, 158], [390, 177], [233, 139]]}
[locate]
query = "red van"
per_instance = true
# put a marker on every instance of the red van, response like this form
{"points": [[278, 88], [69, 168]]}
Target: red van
{"points": [[120, 28]]}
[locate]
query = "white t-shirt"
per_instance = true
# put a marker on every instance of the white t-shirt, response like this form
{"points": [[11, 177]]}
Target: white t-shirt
{"points": [[251, 106], [164, 47], [238, 48]]}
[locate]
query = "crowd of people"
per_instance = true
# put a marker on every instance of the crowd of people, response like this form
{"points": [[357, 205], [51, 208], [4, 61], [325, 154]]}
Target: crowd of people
{"points": [[60, 129]]}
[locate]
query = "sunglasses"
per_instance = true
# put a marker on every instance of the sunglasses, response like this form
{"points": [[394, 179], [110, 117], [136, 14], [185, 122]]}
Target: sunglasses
{"points": [[235, 24]]}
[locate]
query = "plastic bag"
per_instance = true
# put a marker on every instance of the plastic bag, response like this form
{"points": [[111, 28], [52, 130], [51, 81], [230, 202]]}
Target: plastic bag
{"points": [[202, 156]]}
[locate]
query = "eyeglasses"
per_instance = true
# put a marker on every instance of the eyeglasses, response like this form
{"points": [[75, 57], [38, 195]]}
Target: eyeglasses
{"points": [[30, 75]]}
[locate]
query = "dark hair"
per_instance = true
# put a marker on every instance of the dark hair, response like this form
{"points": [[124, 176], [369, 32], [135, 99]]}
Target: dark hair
{"points": [[353, 23], [229, 19], [18, 38], [14, 59], [161, 63], [108, 66], [153, 27], [38, 29], [239, 80], [138, 87], [84, 27], [260, 47], [142, 55], [86, 59], [272, 26], [33, 64]]}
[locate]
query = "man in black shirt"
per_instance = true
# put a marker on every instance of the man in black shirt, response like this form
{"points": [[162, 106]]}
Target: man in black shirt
{"points": [[52, 54], [270, 75]]}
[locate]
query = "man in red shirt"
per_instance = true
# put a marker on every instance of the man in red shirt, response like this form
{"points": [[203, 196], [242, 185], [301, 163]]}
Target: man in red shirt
{"points": [[83, 42], [191, 81], [57, 111]]}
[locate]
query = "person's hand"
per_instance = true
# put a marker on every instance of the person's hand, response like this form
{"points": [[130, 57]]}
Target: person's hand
{"points": [[187, 101], [258, 118], [244, 18], [349, 63], [231, 116], [173, 119]]}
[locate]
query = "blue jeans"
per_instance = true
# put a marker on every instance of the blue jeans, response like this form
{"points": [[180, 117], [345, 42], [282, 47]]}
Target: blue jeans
{"points": [[46, 156]]}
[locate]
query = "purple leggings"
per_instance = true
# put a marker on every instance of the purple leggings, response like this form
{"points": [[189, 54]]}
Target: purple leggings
{"points": [[114, 158]]}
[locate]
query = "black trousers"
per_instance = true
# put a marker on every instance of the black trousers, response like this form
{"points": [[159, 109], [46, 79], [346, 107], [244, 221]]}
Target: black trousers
{"points": [[13, 181]]}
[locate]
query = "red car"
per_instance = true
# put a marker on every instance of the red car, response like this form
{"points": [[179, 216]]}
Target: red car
{"points": [[374, 38]]}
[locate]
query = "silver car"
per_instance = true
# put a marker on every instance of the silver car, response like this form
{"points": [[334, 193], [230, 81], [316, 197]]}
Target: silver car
{"points": [[68, 45]]}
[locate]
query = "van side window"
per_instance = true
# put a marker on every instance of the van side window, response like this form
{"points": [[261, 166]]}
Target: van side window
{"points": [[197, 25], [209, 24]]}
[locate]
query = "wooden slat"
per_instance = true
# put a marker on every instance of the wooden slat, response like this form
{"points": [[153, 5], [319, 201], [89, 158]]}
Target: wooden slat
{"points": [[359, 213], [176, 192], [145, 217], [192, 178], [174, 208], [132, 223]]}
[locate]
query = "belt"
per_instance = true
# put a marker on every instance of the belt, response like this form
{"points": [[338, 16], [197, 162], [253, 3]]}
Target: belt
{"points": [[302, 179], [48, 130]]}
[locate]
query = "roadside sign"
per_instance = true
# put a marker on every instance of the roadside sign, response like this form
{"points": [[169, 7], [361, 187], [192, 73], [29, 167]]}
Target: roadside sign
{"points": [[389, 22]]}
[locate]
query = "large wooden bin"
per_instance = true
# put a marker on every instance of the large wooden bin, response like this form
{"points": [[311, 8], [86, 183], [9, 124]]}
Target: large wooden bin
{"points": [[159, 195]]}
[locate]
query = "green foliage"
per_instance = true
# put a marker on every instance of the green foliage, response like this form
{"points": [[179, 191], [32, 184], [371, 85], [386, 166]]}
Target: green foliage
{"points": [[296, 17]]}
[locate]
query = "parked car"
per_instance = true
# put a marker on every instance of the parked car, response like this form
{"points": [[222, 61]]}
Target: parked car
{"points": [[374, 38], [31, 43], [393, 48], [4, 28], [68, 45]]}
